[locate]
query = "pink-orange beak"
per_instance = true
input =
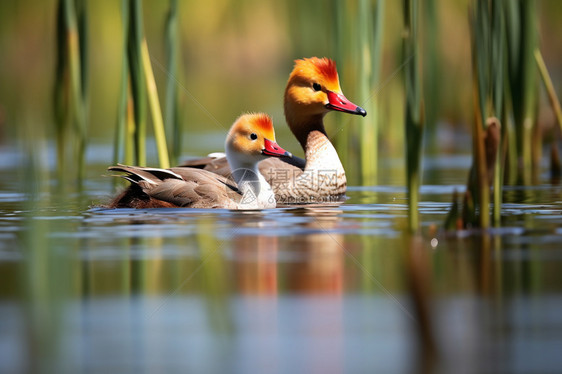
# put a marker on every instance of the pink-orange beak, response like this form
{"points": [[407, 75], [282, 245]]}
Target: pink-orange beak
{"points": [[340, 103], [273, 149]]}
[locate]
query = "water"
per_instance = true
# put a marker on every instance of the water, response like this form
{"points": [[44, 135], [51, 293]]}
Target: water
{"points": [[298, 289]]}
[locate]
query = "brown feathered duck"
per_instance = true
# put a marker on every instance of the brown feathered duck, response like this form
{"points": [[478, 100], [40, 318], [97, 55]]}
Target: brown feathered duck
{"points": [[313, 90], [250, 140]]}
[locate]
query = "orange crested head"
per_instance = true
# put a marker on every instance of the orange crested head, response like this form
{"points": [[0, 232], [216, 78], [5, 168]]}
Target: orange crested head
{"points": [[316, 69], [263, 124], [312, 91], [253, 123], [252, 135]]}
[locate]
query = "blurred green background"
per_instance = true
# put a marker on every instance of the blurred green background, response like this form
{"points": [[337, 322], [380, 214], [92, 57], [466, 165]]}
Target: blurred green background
{"points": [[236, 57]]}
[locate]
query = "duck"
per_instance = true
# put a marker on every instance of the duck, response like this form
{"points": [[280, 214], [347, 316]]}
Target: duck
{"points": [[313, 90], [250, 140]]}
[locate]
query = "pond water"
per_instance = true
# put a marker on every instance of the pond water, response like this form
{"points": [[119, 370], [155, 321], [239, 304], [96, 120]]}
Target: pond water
{"points": [[322, 289]]}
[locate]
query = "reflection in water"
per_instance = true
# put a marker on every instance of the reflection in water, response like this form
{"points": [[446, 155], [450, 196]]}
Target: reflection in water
{"points": [[321, 268], [314, 262], [313, 265], [328, 289], [418, 269], [256, 264]]}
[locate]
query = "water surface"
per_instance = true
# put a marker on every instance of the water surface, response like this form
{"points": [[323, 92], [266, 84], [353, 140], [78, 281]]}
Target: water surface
{"points": [[297, 289]]}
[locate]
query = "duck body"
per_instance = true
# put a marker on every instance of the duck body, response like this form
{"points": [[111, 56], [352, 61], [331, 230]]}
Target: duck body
{"points": [[244, 188], [175, 188], [312, 91], [190, 188], [322, 180]]}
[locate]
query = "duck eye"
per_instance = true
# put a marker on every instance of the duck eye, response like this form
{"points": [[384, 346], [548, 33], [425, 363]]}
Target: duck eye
{"points": [[316, 86], [253, 136]]}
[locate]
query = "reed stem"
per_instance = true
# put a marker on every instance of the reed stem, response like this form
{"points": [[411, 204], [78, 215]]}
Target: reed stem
{"points": [[171, 115], [370, 46], [61, 96], [159, 133], [83, 88], [414, 110], [71, 85], [498, 97], [521, 32], [551, 92], [342, 36], [119, 145], [138, 83], [489, 95], [130, 128], [483, 186], [367, 139], [431, 73]]}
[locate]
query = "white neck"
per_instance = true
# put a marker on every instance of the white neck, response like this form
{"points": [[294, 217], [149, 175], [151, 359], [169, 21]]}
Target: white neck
{"points": [[256, 192]]}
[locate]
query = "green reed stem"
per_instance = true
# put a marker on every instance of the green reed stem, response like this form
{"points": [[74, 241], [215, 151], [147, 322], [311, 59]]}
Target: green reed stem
{"points": [[370, 46], [551, 92], [61, 90], [142, 86], [432, 73], [509, 145], [498, 62], [130, 127], [83, 88], [367, 157], [171, 114], [498, 78], [498, 188], [76, 84], [483, 186], [489, 91], [159, 133], [530, 82], [522, 35], [414, 110], [481, 58], [71, 84], [119, 154], [342, 31], [138, 82]]}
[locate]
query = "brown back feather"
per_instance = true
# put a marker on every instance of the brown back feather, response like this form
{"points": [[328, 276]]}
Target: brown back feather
{"points": [[175, 187]]}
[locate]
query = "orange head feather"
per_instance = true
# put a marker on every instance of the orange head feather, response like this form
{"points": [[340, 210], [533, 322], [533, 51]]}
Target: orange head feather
{"points": [[314, 68], [259, 123], [252, 138], [312, 91], [247, 129], [263, 124]]}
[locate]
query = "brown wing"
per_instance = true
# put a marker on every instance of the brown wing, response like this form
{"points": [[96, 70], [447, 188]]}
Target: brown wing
{"points": [[176, 187]]}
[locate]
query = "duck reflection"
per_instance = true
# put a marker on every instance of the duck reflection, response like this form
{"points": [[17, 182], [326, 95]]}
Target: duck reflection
{"points": [[256, 267], [311, 259], [278, 269]]}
